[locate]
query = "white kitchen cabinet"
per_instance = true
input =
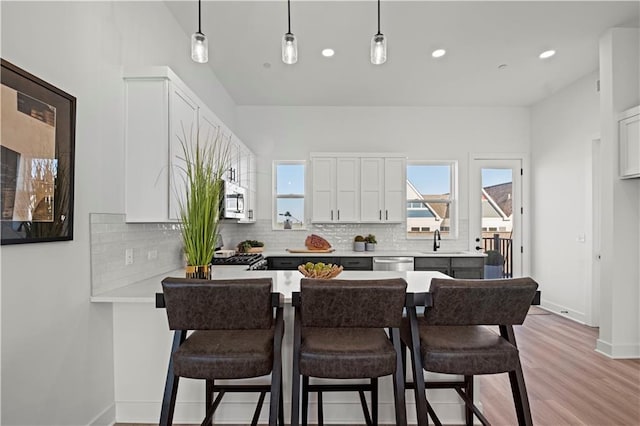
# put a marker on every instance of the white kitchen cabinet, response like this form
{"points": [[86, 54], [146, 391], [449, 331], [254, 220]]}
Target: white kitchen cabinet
{"points": [[383, 186], [629, 143], [158, 105], [162, 113], [324, 189], [395, 186], [354, 188], [347, 189], [335, 195]]}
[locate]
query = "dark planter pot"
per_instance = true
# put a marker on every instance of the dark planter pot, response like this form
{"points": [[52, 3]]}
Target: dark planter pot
{"points": [[492, 271]]}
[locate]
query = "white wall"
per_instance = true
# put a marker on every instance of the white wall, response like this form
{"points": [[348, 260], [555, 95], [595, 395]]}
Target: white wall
{"points": [[562, 128], [620, 221], [423, 133], [57, 360]]}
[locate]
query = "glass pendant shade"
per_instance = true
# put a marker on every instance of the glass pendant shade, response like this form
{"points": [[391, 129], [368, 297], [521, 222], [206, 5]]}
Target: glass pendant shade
{"points": [[378, 49], [199, 48], [289, 49]]}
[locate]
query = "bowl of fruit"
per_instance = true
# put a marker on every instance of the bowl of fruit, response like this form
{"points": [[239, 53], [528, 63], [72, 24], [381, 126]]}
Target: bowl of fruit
{"points": [[320, 270]]}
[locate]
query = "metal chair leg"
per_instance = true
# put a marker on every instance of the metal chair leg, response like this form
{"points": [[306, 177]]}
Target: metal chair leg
{"points": [[171, 385], [468, 390], [305, 400]]}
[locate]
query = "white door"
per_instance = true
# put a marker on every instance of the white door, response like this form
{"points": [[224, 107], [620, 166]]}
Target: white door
{"points": [[495, 211], [593, 291]]}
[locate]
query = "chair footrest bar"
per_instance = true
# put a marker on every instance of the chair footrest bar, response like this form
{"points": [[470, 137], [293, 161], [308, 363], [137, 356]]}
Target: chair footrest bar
{"points": [[436, 385], [242, 388], [338, 388]]}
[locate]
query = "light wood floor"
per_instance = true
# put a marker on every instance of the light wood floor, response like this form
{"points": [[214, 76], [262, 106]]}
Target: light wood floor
{"points": [[567, 381]]}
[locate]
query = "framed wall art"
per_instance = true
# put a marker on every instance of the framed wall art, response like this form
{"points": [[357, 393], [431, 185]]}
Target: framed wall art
{"points": [[37, 138]]}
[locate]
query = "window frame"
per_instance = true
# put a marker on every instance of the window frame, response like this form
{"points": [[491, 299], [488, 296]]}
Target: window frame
{"points": [[274, 195], [452, 234]]}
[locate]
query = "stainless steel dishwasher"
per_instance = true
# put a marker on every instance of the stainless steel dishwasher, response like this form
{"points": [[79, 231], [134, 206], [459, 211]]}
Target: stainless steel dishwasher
{"points": [[389, 263]]}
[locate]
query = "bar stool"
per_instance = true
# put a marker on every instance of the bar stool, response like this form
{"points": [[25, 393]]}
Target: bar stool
{"points": [[451, 339], [339, 334], [236, 336]]}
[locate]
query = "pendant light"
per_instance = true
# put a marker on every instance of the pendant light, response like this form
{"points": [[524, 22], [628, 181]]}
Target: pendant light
{"points": [[289, 42], [378, 45], [199, 42]]}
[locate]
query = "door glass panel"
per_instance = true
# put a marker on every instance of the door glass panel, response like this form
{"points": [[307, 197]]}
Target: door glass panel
{"points": [[497, 215]]}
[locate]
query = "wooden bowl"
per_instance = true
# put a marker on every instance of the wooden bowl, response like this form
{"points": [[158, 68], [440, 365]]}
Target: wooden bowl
{"points": [[333, 272]]}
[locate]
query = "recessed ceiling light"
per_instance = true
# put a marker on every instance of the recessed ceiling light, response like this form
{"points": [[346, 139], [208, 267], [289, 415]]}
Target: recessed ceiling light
{"points": [[547, 54], [266, 65], [327, 53], [438, 53]]}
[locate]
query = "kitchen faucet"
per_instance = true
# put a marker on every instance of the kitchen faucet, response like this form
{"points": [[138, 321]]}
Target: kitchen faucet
{"points": [[436, 242]]}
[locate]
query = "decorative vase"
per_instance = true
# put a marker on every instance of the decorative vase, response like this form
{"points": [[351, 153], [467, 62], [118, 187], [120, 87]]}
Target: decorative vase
{"points": [[371, 246], [358, 245], [201, 271]]}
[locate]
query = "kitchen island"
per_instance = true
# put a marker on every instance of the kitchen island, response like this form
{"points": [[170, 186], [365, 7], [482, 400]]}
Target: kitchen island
{"points": [[142, 343]]}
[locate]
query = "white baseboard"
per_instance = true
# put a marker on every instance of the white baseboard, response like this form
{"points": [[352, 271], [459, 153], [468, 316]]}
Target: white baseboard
{"points": [[106, 418], [241, 413], [563, 311], [618, 351]]}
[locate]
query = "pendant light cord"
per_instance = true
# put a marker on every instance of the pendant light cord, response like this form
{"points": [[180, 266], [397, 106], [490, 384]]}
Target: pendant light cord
{"points": [[289, 15], [378, 17], [200, 17]]}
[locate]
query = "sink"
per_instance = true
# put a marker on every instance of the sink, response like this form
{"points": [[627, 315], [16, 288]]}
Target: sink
{"points": [[444, 253]]}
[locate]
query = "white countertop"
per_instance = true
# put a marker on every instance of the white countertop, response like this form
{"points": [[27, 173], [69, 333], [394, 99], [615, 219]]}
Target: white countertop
{"points": [[284, 282], [381, 253]]}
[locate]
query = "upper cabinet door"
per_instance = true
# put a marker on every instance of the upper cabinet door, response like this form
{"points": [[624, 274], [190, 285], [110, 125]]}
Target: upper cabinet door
{"points": [[395, 185], [347, 190], [372, 189], [324, 189]]}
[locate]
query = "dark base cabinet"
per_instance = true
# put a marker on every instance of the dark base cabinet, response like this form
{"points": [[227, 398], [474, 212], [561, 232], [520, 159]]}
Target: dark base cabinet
{"points": [[456, 267], [290, 263]]}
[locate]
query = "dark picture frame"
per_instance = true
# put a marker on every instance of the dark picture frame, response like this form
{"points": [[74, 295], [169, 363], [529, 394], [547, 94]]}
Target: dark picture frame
{"points": [[37, 142]]}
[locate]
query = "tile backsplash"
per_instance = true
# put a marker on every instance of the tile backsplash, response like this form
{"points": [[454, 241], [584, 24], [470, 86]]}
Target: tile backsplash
{"points": [[157, 247], [389, 236]]}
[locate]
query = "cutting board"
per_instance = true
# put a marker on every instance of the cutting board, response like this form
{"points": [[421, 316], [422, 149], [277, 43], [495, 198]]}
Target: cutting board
{"points": [[305, 250]]}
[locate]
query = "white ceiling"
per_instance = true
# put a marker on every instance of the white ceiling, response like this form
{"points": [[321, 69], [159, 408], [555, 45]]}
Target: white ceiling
{"points": [[245, 37]]}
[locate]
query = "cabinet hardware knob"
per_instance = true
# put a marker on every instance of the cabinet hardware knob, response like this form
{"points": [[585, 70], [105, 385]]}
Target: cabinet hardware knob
{"points": [[478, 248]]}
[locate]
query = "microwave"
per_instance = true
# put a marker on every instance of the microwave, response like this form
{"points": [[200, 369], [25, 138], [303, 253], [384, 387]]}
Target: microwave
{"points": [[233, 201]]}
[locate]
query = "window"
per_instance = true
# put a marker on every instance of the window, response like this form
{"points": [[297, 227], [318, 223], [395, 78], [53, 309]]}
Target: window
{"points": [[431, 198], [289, 195]]}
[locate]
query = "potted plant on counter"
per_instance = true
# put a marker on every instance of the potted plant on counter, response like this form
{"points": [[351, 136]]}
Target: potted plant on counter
{"points": [[370, 242], [359, 243], [205, 162], [493, 264]]}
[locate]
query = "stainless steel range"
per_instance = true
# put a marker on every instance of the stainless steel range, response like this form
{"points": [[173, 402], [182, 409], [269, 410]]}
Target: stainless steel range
{"points": [[253, 261]]}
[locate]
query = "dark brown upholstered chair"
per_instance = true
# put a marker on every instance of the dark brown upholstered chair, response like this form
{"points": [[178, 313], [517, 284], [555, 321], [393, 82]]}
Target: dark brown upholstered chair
{"points": [[339, 333], [236, 336], [452, 339]]}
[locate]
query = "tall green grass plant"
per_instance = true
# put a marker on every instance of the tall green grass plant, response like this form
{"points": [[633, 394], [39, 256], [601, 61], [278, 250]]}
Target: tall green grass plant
{"points": [[205, 162]]}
